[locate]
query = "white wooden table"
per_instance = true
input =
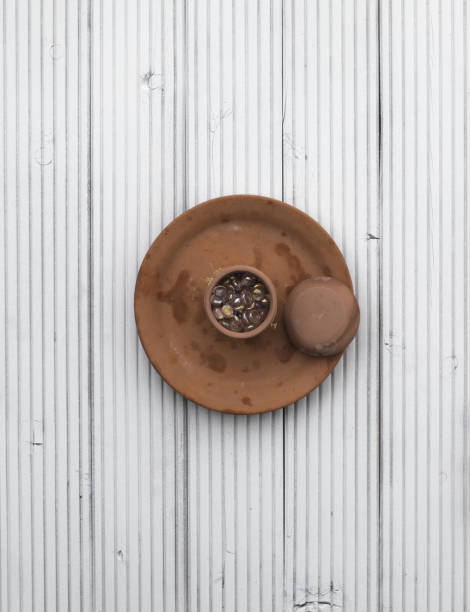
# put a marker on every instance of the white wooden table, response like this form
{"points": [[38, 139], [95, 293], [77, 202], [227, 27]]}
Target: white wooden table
{"points": [[117, 494]]}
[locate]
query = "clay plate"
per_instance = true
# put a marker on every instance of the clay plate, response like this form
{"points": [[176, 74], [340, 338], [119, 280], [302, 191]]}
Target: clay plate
{"points": [[238, 376]]}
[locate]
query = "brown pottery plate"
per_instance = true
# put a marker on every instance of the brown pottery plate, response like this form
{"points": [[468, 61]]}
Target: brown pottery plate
{"points": [[230, 375]]}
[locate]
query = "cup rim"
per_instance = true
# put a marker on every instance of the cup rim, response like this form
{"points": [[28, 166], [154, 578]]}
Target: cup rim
{"points": [[272, 308]]}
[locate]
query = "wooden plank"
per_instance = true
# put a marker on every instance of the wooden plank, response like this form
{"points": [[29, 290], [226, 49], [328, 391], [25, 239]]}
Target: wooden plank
{"points": [[235, 518], [330, 140], [45, 523], [11, 525], [425, 305]]}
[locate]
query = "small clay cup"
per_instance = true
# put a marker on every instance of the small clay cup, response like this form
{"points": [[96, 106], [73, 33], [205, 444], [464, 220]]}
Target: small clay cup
{"points": [[271, 312]]}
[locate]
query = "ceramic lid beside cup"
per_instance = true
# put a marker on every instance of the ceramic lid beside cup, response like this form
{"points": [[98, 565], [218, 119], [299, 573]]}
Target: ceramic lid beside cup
{"points": [[321, 316]]}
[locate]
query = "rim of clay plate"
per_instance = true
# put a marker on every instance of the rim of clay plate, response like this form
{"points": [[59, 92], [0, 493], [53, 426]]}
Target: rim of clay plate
{"points": [[271, 312]]}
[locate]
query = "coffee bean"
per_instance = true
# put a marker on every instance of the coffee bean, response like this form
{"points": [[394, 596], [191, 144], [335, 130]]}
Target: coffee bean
{"points": [[258, 291], [220, 291], [246, 298], [254, 317], [236, 324], [237, 304], [218, 314], [227, 311], [247, 280]]}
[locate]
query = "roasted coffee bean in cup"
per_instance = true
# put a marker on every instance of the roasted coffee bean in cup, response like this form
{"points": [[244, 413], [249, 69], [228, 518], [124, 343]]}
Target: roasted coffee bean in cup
{"points": [[240, 302]]}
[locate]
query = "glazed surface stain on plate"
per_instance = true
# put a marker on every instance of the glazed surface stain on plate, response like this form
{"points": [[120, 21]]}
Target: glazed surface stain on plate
{"points": [[238, 376]]}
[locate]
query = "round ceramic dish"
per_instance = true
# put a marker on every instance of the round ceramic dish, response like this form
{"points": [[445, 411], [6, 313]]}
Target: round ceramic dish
{"points": [[238, 376]]}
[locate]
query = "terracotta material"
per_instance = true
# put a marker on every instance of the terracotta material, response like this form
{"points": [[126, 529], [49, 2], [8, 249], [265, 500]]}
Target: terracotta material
{"points": [[269, 317], [239, 376], [321, 316]]}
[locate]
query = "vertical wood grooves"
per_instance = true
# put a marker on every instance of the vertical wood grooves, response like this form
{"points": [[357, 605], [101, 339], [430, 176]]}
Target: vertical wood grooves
{"points": [[466, 420], [342, 182], [425, 175], [115, 493], [91, 295], [380, 305], [415, 313], [30, 395], [428, 253], [6, 481], [41, 105], [18, 354]]}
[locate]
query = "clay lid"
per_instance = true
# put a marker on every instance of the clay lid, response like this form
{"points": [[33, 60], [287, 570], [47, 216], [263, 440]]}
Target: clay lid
{"points": [[321, 316], [222, 373]]}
